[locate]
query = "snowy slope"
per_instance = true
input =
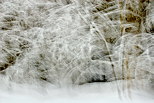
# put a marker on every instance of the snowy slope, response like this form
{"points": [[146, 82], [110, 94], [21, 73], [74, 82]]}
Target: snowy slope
{"points": [[88, 93]]}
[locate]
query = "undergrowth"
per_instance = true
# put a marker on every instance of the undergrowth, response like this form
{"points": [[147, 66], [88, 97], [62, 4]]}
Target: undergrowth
{"points": [[76, 41]]}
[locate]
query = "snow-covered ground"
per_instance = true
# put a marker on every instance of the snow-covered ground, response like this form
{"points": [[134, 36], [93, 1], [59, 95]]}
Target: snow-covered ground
{"points": [[88, 93]]}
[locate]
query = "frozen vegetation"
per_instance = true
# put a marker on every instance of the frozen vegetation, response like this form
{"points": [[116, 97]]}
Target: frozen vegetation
{"points": [[85, 45]]}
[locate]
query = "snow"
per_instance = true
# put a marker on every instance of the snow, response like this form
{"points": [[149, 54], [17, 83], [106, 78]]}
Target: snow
{"points": [[57, 46], [88, 93]]}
